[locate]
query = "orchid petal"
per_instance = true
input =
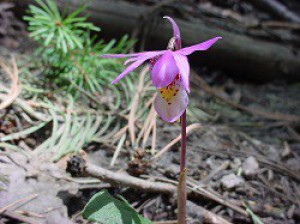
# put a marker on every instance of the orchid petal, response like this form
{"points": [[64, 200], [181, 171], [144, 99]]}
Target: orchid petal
{"points": [[164, 70], [198, 47], [150, 54], [130, 60], [171, 111], [118, 55], [129, 69], [176, 30], [184, 69], [141, 54], [139, 60]]}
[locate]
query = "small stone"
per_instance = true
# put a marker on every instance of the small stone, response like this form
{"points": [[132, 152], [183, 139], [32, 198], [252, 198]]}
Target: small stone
{"points": [[236, 164], [250, 166], [286, 150], [213, 163], [291, 211], [194, 213], [270, 175], [293, 164], [172, 170], [231, 181]]}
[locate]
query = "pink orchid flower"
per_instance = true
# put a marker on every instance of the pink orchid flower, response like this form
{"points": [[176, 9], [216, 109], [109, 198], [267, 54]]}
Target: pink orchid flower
{"points": [[170, 74]]}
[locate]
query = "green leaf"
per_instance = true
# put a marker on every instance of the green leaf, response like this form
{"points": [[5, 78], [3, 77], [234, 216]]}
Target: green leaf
{"points": [[53, 8], [44, 6], [76, 13], [49, 38], [106, 209], [255, 218]]}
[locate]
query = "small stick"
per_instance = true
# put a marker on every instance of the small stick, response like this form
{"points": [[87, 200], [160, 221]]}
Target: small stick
{"points": [[166, 222], [189, 129], [22, 201], [19, 217], [126, 180], [118, 149]]}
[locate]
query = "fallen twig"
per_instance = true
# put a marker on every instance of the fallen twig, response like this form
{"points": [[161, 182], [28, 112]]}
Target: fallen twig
{"points": [[20, 201], [126, 180], [150, 126], [206, 179], [208, 216], [145, 185], [19, 217], [118, 149], [153, 143], [211, 194], [134, 106], [281, 25], [167, 222], [146, 125], [189, 129]]}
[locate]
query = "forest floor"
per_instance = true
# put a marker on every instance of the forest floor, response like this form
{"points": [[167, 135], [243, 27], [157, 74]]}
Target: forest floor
{"points": [[243, 147]]}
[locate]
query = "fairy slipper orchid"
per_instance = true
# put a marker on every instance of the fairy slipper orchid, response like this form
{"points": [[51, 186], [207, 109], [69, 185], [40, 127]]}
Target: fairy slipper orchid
{"points": [[170, 73]]}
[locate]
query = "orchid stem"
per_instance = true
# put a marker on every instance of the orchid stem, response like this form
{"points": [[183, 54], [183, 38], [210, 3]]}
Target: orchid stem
{"points": [[182, 181]]}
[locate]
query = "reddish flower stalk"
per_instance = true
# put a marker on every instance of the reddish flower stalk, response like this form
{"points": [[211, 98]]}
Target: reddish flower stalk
{"points": [[182, 180], [182, 193]]}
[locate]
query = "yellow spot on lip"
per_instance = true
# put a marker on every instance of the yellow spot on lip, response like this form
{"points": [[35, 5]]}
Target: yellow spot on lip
{"points": [[168, 94], [170, 91]]}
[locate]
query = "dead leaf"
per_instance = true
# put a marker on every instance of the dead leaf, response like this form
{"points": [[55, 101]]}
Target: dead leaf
{"points": [[29, 175], [15, 89]]}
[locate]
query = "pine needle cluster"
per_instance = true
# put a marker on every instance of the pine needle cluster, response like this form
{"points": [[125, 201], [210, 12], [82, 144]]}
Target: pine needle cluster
{"points": [[69, 52]]}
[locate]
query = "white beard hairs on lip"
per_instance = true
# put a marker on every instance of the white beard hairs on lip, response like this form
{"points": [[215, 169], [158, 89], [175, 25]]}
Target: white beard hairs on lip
{"points": [[170, 102]]}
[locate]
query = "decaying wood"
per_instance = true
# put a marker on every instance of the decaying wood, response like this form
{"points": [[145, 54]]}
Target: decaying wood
{"points": [[277, 9], [124, 179], [238, 54]]}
